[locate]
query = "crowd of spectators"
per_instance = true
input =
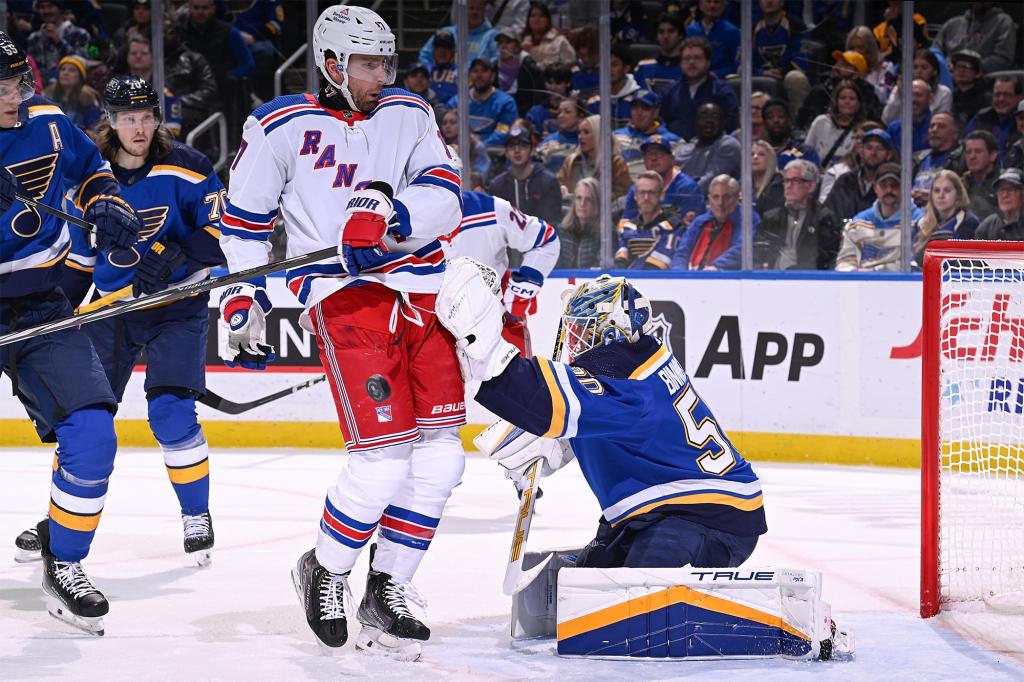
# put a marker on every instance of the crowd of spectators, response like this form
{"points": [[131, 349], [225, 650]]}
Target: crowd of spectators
{"points": [[825, 117]]}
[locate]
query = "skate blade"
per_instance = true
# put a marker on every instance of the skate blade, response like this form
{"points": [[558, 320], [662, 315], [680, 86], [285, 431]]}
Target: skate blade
{"points": [[90, 626], [201, 558], [25, 556], [374, 642]]}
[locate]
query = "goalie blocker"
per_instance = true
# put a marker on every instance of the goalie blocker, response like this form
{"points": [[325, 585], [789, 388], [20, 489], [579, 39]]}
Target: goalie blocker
{"points": [[691, 613]]}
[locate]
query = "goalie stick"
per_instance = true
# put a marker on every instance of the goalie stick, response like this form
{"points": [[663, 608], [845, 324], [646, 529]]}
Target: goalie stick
{"points": [[211, 399], [168, 295]]}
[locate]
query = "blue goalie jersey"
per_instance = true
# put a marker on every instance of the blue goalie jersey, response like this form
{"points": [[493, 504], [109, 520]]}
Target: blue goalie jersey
{"points": [[643, 437], [50, 157], [179, 199]]}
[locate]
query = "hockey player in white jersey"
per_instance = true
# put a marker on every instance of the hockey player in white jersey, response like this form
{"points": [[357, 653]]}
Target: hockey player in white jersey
{"points": [[490, 227], [363, 167]]}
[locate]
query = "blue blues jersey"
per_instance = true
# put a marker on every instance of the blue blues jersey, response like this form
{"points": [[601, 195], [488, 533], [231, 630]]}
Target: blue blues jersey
{"points": [[683, 194], [491, 117], [50, 157], [657, 73], [444, 81], [180, 200], [643, 437]]}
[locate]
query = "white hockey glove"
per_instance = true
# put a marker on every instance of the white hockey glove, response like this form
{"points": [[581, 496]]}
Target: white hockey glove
{"points": [[521, 292], [243, 312], [366, 222], [468, 308], [554, 454]]}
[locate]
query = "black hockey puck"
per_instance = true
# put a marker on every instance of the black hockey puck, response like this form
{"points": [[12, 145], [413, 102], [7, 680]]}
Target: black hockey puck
{"points": [[378, 388]]}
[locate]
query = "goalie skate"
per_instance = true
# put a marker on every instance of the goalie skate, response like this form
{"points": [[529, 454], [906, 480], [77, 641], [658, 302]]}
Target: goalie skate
{"points": [[838, 647], [199, 538], [27, 546], [324, 597], [70, 596], [389, 626]]}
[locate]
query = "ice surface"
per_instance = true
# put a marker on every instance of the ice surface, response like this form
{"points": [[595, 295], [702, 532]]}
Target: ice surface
{"points": [[240, 618]]}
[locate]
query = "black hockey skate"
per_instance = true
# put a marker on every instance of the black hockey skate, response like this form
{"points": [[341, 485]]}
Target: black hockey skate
{"points": [[324, 596], [27, 546], [70, 595], [389, 626], [199, 537]]}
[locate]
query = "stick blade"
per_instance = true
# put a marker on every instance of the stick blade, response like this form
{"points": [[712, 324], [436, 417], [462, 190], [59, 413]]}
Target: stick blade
{"points": [[515, 584]]}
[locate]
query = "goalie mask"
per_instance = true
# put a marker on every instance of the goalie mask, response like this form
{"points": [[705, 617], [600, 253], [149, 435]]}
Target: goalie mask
{"points": [[601, 311], [14, 64], [346, 31]]}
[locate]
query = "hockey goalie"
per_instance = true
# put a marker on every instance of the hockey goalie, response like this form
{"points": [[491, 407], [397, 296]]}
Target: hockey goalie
{"points": [[682, 509]]}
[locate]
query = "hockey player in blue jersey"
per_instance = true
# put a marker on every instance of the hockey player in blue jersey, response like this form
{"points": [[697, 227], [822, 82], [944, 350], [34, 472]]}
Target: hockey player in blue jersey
{"points": [[57, 377], [673, 489], [180, 199]]}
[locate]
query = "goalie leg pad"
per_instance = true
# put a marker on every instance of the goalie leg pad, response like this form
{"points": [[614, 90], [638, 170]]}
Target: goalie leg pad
{"points": [[693, 613], [533, 607]]}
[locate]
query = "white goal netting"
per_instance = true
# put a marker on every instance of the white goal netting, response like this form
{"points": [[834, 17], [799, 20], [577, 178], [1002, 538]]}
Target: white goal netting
{"points": [[981, 434]]}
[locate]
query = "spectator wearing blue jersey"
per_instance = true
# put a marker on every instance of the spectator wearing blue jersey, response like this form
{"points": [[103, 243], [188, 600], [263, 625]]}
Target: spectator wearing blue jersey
{"points": [[698, 86], [777, 38], [491, 111], [482, 41], [871, 239], [557, 81], [644, 126], [585, 74], [680, 193], [554, 148], [714, 239], [721, 33], [648, 241], [921, 116], [624, 86], [658, 73], [778, 127], [444, 73]]}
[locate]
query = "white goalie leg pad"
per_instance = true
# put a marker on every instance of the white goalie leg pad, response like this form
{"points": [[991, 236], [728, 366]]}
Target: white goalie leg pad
{"points": [[533, 607], [694, 613]]}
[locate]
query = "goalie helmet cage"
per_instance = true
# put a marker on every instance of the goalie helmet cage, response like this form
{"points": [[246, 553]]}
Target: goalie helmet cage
{"points": [[972, 426]]}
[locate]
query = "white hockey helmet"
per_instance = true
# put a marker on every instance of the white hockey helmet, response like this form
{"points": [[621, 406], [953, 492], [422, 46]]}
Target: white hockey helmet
{"points": [[345, 30], [601, 311]]}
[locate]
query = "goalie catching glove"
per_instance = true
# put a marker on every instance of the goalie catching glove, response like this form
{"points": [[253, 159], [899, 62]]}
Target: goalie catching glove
{"points": [[468, 308], [366, 223], [243, 310]]}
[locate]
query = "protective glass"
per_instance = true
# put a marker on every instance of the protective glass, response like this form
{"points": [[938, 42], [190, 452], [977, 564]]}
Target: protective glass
{"points": [[134, 119], [22, 88], [373, 68]]}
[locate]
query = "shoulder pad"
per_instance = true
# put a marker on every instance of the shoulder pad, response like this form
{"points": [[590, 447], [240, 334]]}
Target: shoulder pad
{"points": [[392, 97], [279, 103], [475, 203]]}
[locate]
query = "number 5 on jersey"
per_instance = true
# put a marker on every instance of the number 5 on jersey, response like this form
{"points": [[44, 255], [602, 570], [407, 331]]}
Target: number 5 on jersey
{"points": [[699, 435]]}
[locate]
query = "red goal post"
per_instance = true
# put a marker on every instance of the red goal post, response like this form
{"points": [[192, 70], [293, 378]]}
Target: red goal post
{"points": [[972, 425]]}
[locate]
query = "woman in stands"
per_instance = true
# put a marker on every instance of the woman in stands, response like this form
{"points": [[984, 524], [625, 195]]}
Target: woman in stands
{"points": [[586, 161], [881, 72], [831, 134], [946, 216], [926, 68], [76, 99], [767, 179], [579, 233], [543, 41]]}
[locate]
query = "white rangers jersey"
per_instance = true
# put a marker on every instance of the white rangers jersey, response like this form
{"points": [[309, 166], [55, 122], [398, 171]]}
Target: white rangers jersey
{"points": [[490, 225], [305, 159]]}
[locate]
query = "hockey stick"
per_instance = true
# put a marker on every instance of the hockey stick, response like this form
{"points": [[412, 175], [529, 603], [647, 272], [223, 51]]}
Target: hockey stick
{"points": [[55, 212], [211, 399], [167, 296]]}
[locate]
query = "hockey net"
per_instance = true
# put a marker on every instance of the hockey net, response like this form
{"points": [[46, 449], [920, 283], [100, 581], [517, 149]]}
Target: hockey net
{"points": [[972, 462]]}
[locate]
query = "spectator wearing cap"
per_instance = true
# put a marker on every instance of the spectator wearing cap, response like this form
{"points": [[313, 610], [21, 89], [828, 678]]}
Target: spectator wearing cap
{"points": [[662, 71], [921, 115], [831, 134], [854, 191], [643, 126], [985, 27], [477, 160], [714, 240], [778, 128], [999, 119], [944, 153], [444, 74], [1006, 223], [556, 147], [681, 196], [946, 214], [482, 41], [712, 152], [624, 86], [417, 81], [557, 80], [1015, 156], [543, 41], [871, 240], [648, 241], [848, 66], [698, 86], [76, 99], [518, 74], [777, 38], [799, 235], [56, 38], [491, 111], [526, 184], [981, 156], [722, 34], [881, 72], [969, 93], [586, 161]]}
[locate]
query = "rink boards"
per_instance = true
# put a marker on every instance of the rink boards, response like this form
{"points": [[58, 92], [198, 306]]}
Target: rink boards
{"points": [[798, 367]]}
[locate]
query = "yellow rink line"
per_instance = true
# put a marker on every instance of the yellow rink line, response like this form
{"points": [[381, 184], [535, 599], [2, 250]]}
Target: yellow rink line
{"points": [[764, 447]]}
